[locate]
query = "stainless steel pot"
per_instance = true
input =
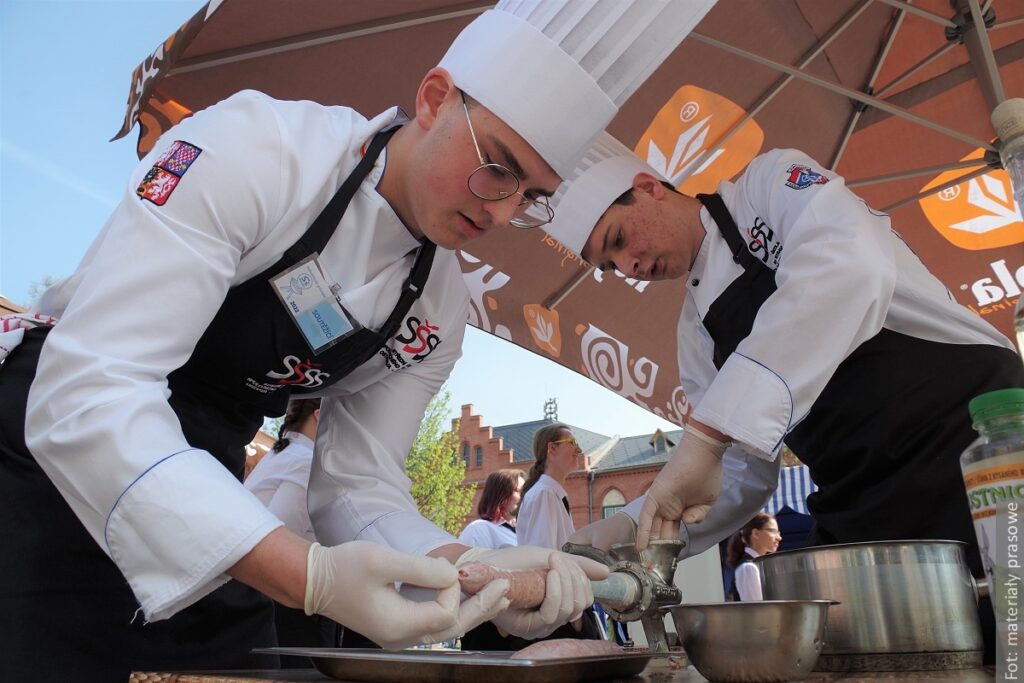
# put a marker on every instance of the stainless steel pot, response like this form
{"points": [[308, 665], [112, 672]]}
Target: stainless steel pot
{"points": [[895, 596]]}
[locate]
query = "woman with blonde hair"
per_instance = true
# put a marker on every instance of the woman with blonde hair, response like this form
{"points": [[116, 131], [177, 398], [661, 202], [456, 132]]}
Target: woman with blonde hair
{"points": [[544, 513], [544, 518]]}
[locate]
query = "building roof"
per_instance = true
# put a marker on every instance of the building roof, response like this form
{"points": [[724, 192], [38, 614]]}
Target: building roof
{"points": [[519, 438], [607, 453], [8, 306], [638, 451]]}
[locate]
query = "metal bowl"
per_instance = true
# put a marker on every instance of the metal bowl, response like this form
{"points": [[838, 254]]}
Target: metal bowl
{"points": [[897, 596], [753, 642]]}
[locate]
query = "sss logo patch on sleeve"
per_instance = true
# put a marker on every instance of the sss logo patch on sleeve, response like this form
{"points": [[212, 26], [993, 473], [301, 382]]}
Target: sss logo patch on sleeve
{"points": [[160, 181], [798, 177]]}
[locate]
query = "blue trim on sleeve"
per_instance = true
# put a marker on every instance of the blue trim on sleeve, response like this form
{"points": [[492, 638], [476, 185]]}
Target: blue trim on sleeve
{"points": [[106, 525], [789, 423], [378, 519]]}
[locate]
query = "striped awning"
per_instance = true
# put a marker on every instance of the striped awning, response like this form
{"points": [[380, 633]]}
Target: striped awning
{"points": [[794, 486]]}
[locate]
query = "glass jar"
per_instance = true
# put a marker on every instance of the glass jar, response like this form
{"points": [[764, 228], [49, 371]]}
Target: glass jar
{"points": [[993, 469], [1018, 324]]}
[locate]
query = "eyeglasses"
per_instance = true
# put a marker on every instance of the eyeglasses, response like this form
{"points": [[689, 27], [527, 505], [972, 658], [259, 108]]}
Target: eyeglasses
{"points": [[569, 440], [493, 182]]}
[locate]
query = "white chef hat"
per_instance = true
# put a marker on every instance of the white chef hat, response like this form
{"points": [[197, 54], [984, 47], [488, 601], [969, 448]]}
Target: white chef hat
{"points": [[606, 170], [556, 71]]}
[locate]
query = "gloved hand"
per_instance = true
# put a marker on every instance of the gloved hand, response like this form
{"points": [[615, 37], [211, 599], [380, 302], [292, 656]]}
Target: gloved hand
{"points": [[353, 584], [685, 488], [604, 533], [567, 592]]}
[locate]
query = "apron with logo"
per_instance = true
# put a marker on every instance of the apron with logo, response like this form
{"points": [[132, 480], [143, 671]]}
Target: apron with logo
{"points": [[884, 438], [67, 612]]}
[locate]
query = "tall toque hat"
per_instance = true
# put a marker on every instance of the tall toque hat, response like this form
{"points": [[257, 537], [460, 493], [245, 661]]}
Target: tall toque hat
{"points": [[557, 71]]}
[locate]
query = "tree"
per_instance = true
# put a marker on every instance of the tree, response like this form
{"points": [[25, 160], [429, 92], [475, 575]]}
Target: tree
{"points": [[437, 471], [37, 287]]}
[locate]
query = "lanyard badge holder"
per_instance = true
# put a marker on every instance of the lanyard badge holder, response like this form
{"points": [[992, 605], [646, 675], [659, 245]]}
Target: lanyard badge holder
{"points": [[313, 301]]}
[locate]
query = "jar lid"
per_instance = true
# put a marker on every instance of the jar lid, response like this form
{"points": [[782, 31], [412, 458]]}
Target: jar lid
{"points": [[996, 404]]}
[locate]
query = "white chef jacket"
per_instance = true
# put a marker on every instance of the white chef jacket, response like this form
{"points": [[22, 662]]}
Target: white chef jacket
{"points": [[543, 520], [280, 480], [170, 516], [483, 533], [748, 579], [842, 275]]}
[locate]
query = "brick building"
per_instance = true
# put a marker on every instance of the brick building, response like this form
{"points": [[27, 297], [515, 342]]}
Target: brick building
{"points": [[619, 468]]}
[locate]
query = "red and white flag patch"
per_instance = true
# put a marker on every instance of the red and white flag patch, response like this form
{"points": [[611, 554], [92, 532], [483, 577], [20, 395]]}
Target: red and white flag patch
{"points": [[161, 180]]}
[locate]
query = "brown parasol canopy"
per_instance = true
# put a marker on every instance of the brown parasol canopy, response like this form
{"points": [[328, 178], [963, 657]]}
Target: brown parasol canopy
{"points": [[893, 95]]}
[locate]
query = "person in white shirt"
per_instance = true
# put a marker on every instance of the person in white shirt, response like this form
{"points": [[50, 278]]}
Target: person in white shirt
{"points": [[265, 250], [498, 503], [545, 517], [281, 477], [760, 536], [280, 480], [806, 321]]}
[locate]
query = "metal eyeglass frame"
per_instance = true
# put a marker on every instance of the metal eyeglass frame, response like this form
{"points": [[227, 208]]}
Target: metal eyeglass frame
{"points": [[525, 203]]}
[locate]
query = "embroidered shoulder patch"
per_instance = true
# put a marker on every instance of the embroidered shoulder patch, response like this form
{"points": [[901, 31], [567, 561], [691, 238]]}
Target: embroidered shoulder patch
{"points": [[798, 177], [161, 180]]}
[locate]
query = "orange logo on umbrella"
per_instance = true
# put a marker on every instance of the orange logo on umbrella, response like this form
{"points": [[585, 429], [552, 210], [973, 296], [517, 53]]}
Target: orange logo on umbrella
{"points": [[543, 326], [686, 127], [977, 214]]}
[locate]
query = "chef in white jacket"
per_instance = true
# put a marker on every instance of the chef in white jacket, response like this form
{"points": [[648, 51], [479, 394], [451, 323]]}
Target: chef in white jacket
{"points": [[806, 321], [265, 249]]}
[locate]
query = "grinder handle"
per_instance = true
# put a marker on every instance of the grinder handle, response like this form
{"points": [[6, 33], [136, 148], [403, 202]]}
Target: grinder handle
{"points": [[588, 551]]}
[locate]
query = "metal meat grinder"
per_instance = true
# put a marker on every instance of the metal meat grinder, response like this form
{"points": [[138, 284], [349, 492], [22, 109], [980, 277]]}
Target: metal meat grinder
{"points": [[640, 584]]}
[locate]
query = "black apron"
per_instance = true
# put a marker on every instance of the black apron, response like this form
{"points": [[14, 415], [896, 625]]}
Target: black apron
{"points": [[734, 592], [884, 438], [66, 611]]}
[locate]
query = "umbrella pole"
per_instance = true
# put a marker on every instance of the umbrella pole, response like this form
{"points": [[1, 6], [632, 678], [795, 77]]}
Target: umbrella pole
{"points": [[552, 301]]}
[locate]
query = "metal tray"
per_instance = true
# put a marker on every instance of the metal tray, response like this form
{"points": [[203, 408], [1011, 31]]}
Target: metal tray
{"points": [[456, 666]]}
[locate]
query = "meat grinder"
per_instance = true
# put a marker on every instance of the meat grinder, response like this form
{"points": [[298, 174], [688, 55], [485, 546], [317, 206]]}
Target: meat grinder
{"points": [[639, 585]]}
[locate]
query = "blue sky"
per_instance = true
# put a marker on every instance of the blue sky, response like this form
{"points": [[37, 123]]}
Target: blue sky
{"points": [[65, 69]]}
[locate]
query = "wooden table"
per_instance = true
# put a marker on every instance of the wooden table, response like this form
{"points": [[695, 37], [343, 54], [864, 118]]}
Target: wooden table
{"points": [[659, 671]]}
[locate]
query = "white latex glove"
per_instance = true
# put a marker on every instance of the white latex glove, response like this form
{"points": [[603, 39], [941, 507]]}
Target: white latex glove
{"points": [[354, 584], [604, 533], [567, 592], [685, 488]]}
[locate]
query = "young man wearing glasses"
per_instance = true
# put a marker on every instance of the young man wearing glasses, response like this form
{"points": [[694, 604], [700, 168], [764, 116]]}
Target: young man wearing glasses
{"points": [[268, 249]]}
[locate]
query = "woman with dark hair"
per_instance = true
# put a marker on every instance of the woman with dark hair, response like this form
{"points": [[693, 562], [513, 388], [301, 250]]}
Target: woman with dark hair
{"points": [[280, 480], [498, 505], [281, 477], [760, 536]]}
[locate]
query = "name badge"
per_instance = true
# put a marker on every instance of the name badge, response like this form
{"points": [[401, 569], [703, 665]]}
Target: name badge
{"points": [[313, 301]]}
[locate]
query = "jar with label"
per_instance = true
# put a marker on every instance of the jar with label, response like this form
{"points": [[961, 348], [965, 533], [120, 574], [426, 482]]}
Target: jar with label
{"points": [[993, 468], [1018, 324]]}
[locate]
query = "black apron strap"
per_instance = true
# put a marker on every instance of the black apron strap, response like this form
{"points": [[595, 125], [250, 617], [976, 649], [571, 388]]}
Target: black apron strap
{"points": [[319, 233], [728, 228], [323, 227], [730, 318], [411, 290]]}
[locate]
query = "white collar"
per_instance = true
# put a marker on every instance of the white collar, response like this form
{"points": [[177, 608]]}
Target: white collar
{"points": [[549, 482], [297, 438]]}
